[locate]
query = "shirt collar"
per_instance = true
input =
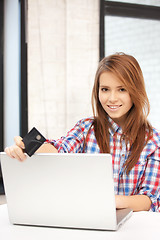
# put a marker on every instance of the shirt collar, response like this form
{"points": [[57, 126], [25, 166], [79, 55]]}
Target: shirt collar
{"points": [[114, 127]]}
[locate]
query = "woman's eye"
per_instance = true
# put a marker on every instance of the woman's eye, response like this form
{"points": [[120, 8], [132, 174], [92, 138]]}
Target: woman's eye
{"points": [[104, 89], [122, 90]]}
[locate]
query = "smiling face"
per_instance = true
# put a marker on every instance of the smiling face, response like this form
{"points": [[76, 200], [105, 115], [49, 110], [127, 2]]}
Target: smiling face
{"points": [[114, 97]]}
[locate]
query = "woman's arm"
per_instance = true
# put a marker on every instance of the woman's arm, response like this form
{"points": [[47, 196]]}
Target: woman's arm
{"points": [[135, 202], [47, 148], [17, 150], [73, 142]]}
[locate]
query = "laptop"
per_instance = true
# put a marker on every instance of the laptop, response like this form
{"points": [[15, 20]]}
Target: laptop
{"points": [[74, 190]]}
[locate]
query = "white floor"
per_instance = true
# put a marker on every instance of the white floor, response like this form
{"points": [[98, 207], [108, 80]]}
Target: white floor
{"points": [[2, 199]]}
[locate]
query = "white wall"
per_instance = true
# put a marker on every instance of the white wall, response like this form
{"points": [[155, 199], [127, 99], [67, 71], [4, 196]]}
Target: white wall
{"points": [[63, 53], [11, 70]]}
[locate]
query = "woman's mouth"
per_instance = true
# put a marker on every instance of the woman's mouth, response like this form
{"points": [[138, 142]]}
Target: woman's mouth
{"points": [[114, 107]]}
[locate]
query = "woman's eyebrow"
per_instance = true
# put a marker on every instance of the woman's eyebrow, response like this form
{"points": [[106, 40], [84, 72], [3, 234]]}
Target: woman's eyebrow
{"points": [[120, 86], [104, 86]]}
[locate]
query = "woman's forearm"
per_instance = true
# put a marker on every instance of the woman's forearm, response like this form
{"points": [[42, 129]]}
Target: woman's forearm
{"points": [[47, 148], [135, 202]]}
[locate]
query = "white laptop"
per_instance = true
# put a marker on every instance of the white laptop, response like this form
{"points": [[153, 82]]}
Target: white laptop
{"points": [[62, 190]]}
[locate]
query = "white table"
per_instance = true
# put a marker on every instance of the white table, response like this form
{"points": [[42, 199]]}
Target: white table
{"points": [[141, 225]]}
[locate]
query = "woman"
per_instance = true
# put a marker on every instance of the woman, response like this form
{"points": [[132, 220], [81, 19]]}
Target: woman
{"points": [[120, 127]]}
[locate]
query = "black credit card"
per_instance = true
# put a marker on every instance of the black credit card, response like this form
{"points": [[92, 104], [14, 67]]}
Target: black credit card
{"points": [[32, 141]]}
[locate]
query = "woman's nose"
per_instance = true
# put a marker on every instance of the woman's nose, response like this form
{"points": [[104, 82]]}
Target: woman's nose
{"points": [[112, 96]]}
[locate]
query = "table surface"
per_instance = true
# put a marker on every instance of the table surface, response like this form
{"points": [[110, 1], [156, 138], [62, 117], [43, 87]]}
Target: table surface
{"points": [[140, 224]]}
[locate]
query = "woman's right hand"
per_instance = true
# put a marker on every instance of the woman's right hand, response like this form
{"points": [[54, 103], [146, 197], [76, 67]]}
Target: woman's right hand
{"points": [[16, 151]]}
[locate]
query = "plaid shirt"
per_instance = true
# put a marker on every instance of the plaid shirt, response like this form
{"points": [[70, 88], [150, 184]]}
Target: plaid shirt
{"points": [[144, 177]]}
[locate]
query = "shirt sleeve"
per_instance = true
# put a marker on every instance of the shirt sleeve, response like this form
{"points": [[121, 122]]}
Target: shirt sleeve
{"points": [[74, 140], [151, 180]]}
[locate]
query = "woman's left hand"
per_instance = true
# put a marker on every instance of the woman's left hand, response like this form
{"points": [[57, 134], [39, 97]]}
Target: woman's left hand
{"points": [[135, 202]]}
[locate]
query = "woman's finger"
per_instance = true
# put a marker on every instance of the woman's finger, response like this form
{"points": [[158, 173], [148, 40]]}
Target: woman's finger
{"points": [[15, 152], [19, 142]]}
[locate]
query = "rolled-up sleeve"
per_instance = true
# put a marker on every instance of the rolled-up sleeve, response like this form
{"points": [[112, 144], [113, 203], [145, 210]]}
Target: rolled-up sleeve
{"points": [[73, 142], [150, 185]]}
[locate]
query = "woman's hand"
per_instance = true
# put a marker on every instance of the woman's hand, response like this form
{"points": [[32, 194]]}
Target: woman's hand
{"points": [[135, 202], [16, 151]]}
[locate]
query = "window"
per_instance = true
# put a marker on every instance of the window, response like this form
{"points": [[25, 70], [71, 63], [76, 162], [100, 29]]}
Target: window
{"points": [[1, 75], [135, 29], [1, 89], [13, 72]]}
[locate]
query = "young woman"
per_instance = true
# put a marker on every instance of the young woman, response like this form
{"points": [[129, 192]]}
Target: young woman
{"points": [[120, 127]]}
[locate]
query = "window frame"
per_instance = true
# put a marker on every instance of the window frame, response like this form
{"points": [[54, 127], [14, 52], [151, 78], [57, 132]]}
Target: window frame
{"points": [[23, 76], [1, 86], [121, 9], [1, 71], [24, 67]]}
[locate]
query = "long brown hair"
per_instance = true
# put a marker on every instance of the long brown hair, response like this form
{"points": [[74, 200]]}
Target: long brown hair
{"points": [[136, 126]]}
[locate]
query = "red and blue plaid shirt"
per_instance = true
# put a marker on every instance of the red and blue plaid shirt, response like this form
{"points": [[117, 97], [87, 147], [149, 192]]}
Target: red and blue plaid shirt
{"points": [[144, 177]]}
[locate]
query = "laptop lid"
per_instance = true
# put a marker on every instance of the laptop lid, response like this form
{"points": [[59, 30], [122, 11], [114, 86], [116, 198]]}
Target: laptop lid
{"points": [[61, 190]]}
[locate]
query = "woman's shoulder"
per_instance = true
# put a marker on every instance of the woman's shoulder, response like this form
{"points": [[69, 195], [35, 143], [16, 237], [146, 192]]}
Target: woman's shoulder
{"points": [[82, 126], [153, 145], [155, 137], [86, 121]]}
